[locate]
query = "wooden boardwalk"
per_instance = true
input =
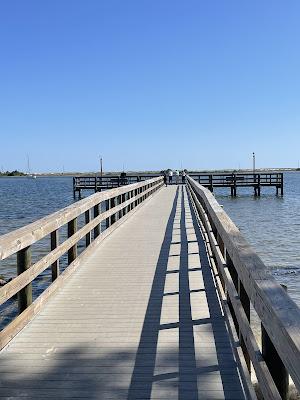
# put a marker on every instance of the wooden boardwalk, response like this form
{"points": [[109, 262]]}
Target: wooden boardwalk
{"points": [[140, 320]]}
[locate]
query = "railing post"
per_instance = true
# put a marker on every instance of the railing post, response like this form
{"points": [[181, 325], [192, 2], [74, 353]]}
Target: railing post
{"points": [[112, 205], [119, 201], [74, 187], [97, 227], [72, 252], [123, 201], [234, 276], [107, 221], [54, 244], [23, 263], [126, 197], [244, 298], [132, 195], [274, 363], [211, 188], [88, 236], [223, 252]]}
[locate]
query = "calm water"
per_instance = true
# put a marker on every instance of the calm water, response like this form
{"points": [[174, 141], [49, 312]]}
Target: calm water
{"points": [[271, 224], [24, 200]]}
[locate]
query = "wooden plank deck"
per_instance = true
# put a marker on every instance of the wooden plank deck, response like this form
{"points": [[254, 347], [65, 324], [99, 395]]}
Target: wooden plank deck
{"points": [[140, 320]]}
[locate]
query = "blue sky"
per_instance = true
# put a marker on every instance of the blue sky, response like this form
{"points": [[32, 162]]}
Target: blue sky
{"points": [[149, 84]]}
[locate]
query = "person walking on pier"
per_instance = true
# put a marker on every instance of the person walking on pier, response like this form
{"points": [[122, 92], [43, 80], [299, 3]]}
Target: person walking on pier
{"points": [[183, 174], [165, 178], [170, 176], [177, 176]]}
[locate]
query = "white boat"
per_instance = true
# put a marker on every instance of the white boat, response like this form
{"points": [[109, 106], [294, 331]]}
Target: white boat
{"points": [[29, 174]]}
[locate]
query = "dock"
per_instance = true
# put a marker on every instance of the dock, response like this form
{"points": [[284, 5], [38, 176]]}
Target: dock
{"points": [[232, 181], [157, 306]]}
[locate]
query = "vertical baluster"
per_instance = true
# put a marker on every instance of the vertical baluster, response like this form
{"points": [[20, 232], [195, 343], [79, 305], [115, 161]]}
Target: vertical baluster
{"points": [[97, 227], [112, 205], [274, 363], [88, 236], [24, 263], [54, 244], [72, 252], [246, 306], [107, 221], [234, 277]]}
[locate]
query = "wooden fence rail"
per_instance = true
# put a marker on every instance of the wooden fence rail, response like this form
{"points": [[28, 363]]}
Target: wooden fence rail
{"points": [[119, 204], [244, 279]]}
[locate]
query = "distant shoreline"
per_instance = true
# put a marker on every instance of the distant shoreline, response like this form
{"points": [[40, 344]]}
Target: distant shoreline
{"points": [[219, 171]]}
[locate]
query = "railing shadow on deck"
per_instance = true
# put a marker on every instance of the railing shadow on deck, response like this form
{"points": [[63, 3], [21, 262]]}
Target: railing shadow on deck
{"points": [[79, 372], [217, 319], [191, 373]]}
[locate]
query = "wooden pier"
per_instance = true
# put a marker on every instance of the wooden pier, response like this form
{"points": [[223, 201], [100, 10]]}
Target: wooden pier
{"points": [[234, 181], [157, 306]]}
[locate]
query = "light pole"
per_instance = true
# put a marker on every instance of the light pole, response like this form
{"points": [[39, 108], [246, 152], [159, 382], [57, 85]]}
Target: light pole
{"points": [[101, 169], [253, 159]]}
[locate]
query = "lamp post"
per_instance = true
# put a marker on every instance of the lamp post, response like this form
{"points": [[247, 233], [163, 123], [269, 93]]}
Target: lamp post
{"points": [[253, 159]]}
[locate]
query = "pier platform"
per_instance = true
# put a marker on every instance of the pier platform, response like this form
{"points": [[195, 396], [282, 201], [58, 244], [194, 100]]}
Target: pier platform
{"points": [[140, 320], [156, 306]]}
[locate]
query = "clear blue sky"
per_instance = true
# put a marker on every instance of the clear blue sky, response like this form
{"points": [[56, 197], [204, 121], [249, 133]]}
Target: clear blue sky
{"points": [[149, 84]]}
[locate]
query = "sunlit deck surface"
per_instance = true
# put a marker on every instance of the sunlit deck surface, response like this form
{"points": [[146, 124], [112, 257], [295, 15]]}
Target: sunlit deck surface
{"points": [[140, 320]]}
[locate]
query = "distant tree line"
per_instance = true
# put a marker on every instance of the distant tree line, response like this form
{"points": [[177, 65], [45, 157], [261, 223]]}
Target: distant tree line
{"points": [[12, 173]]}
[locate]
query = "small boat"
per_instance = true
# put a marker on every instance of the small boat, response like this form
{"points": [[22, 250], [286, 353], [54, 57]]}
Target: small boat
{"points": [[29, 174]]}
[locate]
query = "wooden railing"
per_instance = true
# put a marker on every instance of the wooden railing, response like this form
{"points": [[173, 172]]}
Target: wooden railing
{"points": [[235, 180], [108, 181], [243, 279], [113, 206], [247, 178]]}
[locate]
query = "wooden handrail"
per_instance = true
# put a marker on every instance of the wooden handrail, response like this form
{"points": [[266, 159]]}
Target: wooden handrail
{"points": [[20, 240], [23, 237], [246, 278]]}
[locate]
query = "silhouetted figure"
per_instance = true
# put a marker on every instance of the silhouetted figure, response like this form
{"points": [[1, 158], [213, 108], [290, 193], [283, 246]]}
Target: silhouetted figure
{"points": [[170, 176], [165, 179], [123, 179], [177, 176]]}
